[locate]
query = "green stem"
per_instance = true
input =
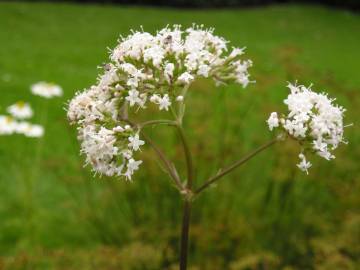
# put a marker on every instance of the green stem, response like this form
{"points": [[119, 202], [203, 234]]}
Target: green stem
{"points": [[232, 167], [185, 235], [170, 167], [157, 122], [184, 240], [188, 157]]}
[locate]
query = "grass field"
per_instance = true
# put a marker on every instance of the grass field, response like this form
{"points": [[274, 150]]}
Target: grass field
{"points": [[266, 215]]}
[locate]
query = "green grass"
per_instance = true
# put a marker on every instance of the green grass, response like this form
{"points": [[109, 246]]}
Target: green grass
{"points": [[266, 215]]}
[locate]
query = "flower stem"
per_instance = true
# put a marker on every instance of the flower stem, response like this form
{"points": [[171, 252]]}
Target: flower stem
{"points": [[188, 194], [157, 122], [185, 234], [188, 157], [232, 167], [170, 167]]}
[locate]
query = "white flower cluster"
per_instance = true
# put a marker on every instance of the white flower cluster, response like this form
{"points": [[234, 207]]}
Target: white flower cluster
{"points": [[313, 120], [147, 69]]}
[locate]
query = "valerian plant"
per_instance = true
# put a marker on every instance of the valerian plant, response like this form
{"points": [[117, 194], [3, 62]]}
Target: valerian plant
{"points": [[157, 70]]}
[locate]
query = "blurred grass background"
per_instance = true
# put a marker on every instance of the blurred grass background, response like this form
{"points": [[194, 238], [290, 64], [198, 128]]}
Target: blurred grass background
{"points": [[266, 215]]}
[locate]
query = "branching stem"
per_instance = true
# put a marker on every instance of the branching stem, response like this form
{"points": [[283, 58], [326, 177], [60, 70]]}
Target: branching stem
{"points": [[169, 166], [188, 158], [232, 167], [157, 122]]}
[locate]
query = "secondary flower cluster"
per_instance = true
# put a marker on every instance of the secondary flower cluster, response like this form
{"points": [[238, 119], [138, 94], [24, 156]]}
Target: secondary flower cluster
{"points": [[313, 120], [15, 123], [147, 69]]}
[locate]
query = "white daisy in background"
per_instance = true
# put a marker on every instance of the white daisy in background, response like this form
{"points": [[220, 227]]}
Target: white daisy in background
{"points": [[34, 131], [22, 127], [20, 110], [12, 124], [7, 125], [46, 90]]}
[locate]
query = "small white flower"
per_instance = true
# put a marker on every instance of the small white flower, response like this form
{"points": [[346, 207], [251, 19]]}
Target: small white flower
{"points": [[325, 154], [155, 98], [204, 70], [118, 129], [20, 110], [304, 165], [127, 154], [133, 97], [273, 120], [186, 78], [129, 68], [132, 166], [154, 53], [236, 52], [243, 79], [135, 142], [180, 98], [164, 103], [133, 82], [46, 90]]}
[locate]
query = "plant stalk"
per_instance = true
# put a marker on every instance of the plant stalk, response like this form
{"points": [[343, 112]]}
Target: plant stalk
{"points": [[232, 167], [188, 194], [170, 167], [185, 235], [188, 158]]}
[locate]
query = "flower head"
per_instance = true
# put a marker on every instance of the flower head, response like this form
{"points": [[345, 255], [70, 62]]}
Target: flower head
{"points": [[313, 120], [147, 69]]}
